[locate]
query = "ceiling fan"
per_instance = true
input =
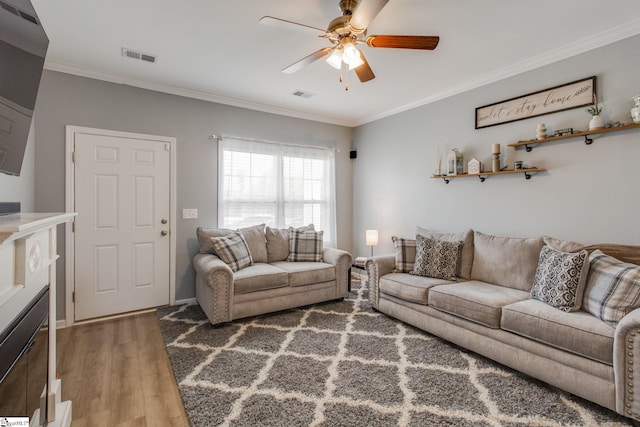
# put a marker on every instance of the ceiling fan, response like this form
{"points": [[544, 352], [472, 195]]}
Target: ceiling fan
{"points": [[348, 31]]}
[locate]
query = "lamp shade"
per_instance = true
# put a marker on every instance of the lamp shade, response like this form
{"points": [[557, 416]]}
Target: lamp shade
{"points": [[372, 237]]}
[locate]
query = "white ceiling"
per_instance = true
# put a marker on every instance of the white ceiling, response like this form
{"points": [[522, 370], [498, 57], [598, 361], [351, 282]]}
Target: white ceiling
{"points": [[217, 50]]}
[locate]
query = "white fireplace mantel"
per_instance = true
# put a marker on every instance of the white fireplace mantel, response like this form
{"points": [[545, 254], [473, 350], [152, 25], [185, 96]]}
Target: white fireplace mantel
{"points": [[28, 257]]}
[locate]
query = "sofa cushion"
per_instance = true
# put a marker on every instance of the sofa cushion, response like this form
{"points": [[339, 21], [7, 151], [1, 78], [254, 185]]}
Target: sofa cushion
{"points": [[254, 236], [437, 258], [305, 245], [307, 273], [466, 259], [259, 277], [233, 250], [560, 278], [405, 254], [278, 242], [613, 288], [562, 245], [477, 301], [204, 238], [256, 241], [578, 332], [505, 261], [408, 287]]}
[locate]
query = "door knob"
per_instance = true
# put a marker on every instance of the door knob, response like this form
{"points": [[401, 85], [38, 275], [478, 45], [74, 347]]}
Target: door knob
{"points": [[163, 220], [164, 232]]}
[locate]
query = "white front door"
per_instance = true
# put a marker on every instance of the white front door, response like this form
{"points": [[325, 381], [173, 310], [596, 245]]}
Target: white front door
{"points": [[121, 241]]}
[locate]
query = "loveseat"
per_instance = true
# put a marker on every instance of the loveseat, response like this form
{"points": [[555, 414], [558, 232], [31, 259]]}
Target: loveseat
{"points": [[559, 311], [258, 269]]}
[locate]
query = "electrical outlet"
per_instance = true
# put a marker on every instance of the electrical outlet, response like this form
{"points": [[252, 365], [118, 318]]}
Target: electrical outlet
{"points": [[189, 213]]}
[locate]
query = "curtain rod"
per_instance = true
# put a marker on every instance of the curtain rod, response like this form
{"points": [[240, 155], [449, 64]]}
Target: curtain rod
{"points": [[219, 138]]}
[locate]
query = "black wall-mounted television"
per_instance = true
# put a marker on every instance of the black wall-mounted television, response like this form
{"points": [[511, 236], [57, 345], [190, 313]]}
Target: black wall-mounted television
{"points": [[23, 47]]}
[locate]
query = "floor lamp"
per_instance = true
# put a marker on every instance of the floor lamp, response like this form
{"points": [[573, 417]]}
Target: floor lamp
{"points": [[372, 239]]}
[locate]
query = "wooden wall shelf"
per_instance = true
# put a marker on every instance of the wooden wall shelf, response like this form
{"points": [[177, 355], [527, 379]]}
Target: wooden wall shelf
{"points": [[528, 172], [528, 144]]}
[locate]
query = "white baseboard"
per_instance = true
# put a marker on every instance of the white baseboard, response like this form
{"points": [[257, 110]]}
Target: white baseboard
{"points": [[185, 301]]}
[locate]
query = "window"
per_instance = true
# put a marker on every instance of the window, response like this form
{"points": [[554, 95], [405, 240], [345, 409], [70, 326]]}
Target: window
{"points": [[276, 184]]}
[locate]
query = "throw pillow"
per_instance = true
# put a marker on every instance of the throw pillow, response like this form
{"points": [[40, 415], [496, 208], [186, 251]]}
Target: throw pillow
{"points": [[437, 258], [560, 278], [205, 235], [233, 250], [405, 254], [305, 245], [613, 288], [278, 242], [624, 253], [466, 258]]}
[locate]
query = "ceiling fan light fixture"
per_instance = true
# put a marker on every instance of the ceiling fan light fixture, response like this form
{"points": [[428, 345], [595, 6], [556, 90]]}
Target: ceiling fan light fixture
{"points": [[351, 55], [335, 59]]}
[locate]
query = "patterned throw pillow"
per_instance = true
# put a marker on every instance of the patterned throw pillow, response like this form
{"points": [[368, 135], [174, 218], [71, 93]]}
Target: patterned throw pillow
{"points": [[613, 288], [305, 245], [405, 254], [437, 258], [233, 250], [560, 278], [278, 242]]}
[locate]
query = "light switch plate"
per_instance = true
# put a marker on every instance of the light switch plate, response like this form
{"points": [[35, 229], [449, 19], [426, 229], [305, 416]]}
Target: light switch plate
{"points": [[189, 213]]}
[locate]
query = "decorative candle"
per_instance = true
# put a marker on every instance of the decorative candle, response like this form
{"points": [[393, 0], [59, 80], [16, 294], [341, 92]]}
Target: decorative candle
{"points": [[495, 149]]}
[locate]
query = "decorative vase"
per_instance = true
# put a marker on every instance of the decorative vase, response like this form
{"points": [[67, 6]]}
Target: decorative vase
{"points": [[596, 122], [635, 111]]}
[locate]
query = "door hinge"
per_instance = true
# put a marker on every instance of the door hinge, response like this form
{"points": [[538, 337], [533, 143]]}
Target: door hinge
{"points": [[167, 146], [73, 296]]}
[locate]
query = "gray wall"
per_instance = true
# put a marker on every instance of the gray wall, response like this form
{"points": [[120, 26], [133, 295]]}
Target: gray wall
{"points": [[70, 100], [21, 188], [589, 193]]}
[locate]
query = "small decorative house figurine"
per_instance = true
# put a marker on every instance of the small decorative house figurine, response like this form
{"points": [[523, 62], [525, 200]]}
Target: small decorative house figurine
{"points": [[474, 167]]}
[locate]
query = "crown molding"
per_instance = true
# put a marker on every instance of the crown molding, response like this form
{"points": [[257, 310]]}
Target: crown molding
{"points": [[590, 43], [593, 42], [189, 93]]}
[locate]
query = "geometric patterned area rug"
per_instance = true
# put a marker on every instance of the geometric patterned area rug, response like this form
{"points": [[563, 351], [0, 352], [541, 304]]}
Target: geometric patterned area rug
{"points": [[343, 364]]}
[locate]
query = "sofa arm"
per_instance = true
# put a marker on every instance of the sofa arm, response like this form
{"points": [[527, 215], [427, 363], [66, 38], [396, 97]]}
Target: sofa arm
{"points": [[342, 261], [377, 267], [626, 365], [214, 287]]}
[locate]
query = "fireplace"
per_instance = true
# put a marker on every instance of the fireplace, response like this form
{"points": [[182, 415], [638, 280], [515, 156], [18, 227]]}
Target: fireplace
{"points": [[28, 256], [24, 361]]}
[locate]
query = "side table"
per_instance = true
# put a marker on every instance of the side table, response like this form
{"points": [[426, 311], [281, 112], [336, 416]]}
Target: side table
{"points": [[357, 270]]}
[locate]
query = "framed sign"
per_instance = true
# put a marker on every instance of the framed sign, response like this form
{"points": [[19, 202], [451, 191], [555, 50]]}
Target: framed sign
{"points": [[559, 98]]}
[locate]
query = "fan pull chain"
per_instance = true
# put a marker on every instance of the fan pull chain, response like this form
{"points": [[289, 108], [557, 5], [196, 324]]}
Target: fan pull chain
{"points": [[344, 71]]}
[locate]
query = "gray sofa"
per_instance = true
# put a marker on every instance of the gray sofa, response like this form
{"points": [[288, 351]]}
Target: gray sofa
{"points": [[489, 308], [270, 283]]}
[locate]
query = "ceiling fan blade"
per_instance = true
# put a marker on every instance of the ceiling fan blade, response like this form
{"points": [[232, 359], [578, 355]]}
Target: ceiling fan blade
{"points": [[404, 42], [297, 66], [364, 71], [365, 12], [290, 25]]}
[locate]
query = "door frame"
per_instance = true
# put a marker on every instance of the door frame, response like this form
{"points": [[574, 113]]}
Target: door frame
{"points": [[70, 284]]}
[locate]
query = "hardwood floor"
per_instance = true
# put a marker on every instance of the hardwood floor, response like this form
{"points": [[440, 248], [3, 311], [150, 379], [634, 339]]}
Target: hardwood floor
{"points": [[117, 373]]}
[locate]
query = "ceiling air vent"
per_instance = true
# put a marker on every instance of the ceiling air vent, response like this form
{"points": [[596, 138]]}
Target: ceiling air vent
{"points": [[302, 94], [129, 53]]}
